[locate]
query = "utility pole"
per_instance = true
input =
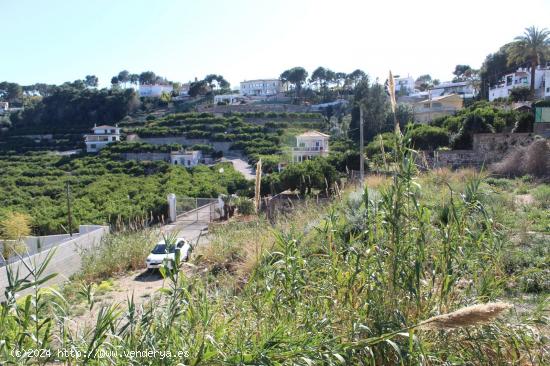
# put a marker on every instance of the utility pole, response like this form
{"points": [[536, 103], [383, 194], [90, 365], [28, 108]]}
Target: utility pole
{"points": [[361, 145], [69, 216]]}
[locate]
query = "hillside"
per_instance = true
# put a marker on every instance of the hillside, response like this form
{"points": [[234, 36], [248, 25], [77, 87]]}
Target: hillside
{"points": [[344, 283]]}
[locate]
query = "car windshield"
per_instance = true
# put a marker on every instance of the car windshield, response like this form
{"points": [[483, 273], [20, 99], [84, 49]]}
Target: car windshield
{"points": [[161, 249]]}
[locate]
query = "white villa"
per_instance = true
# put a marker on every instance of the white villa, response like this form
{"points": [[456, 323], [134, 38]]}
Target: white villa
{"points": [[154, 90], [4, 107], [186, 158], [309, 145], [262, 87], [466, 89], [404, 85], [522, 78], [101, 137], [228, 98]]}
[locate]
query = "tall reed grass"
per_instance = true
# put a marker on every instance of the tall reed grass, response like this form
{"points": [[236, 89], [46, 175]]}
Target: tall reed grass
{"points": [[356, 282]]}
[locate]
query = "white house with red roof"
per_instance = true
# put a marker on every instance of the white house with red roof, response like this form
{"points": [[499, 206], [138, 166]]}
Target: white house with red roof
{"points": [[309, 145], [101, 137]]}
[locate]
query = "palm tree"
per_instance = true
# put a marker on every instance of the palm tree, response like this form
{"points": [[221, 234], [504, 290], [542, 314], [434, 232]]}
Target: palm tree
{"points": [[533, 47]]}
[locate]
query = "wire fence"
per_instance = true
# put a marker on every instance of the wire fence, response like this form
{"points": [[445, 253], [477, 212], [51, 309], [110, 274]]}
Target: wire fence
{"points": [[197, 209]]}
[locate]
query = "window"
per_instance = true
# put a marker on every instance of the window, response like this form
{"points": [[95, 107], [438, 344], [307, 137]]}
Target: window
{"points": [[93, 146]]}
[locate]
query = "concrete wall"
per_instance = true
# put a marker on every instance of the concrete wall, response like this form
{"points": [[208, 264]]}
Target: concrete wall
{"points": [[65, 261], [255, 107], [263, 120]]}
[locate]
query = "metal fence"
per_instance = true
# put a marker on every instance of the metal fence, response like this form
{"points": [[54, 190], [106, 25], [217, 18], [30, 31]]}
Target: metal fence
{"points": [[197, 209]]}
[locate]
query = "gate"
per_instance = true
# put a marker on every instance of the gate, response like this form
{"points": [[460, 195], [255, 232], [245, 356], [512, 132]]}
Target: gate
{"points": [[196, 209]]}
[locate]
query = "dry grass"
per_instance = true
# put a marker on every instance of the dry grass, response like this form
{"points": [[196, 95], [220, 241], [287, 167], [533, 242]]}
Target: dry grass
{"points": [[533, 159], [376, 181], [468, 316], [237, 247], [440, 176]]}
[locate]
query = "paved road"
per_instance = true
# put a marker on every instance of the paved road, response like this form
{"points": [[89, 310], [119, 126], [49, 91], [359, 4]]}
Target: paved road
{"points": [[188, 226], [242, 166]]}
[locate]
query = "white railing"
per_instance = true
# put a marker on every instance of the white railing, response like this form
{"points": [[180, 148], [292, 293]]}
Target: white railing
{"points": [[309, 148], [91, 138]]}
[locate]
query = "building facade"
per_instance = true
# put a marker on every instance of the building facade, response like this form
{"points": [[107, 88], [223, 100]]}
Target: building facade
{"points": [[186, 158], [4, 107], [262, 87], [101, 137], [231, 99], [427, 110], [466, 89], [154, 91], [309, 145], [404, 85], [522, 78]]}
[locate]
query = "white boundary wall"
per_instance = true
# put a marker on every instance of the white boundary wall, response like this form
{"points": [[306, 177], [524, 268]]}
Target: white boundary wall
{"points": [[65, 262]]}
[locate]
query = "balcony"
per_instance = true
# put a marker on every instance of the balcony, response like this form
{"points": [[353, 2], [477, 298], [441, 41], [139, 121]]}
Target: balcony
{"points": [[308, 148], [93, 138]]}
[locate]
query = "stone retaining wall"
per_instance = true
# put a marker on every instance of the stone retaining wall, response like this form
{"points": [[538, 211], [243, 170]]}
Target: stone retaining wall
{"points": [[488, 148]]}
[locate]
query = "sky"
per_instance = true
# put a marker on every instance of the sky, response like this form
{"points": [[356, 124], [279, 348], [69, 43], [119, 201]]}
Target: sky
{"points": [[63, 40]]}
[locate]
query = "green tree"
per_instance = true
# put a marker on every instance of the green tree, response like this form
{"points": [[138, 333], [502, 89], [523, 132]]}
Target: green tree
{"points": [[123, 77], [216, 82], [532, 47], [424, 82], [424, 137], [296, 76], [91, 81], [376, 106], [198, 88], [520, 94], [134, 79], [11, 92], [147, 78], [464, 73], [318, 76], [355, 77]]}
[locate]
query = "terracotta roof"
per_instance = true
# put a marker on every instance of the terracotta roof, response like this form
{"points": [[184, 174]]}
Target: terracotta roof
{"points": [[313, 134]]}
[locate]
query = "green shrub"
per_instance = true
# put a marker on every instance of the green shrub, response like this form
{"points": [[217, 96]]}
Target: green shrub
{"points": [[502, 183], [542, 195], [424, 137], [245, 206], [520, 94], [117, 253]]}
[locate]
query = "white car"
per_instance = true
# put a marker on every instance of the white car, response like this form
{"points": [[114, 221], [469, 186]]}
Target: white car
{"points": [[161, 253]]}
